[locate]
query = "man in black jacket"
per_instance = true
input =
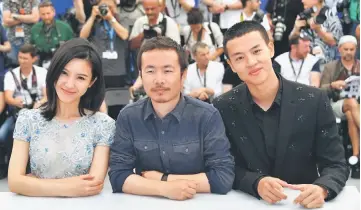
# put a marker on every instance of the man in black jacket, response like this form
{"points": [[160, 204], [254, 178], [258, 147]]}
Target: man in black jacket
{"points": [[282, 133]]}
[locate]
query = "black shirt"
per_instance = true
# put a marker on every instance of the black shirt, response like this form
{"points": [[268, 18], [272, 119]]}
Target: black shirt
{"points": [[268, 122]]}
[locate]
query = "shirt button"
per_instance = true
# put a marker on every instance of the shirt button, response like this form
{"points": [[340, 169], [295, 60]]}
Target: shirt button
{"points": [[187, 150], [163, 152], [162, 132], [167, 171], [145, 147]]}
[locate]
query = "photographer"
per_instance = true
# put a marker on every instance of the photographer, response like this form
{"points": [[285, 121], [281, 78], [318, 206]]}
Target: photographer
{"points": [[204, 77], [48, 34], [24, 87], [251, 11], [104, 30], [285, 11], [324, 28], [153, 24]]}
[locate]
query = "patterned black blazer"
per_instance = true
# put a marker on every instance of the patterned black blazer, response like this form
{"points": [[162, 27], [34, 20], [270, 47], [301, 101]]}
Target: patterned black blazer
{"points": [[308, 151]]}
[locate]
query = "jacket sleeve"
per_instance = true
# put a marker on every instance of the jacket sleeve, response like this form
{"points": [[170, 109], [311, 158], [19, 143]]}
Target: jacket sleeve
{"points": [[330, 154]]}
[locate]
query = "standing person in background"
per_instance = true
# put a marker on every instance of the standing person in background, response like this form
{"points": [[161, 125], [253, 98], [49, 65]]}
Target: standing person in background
{"points": [[83, 9], [67, 140], [288, 13], [19, 17], [105, 31], [5, 47], [49, 33]]}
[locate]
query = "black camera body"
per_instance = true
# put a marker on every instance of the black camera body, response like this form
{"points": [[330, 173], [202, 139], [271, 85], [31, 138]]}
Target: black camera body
{"points": [[342, 7], [319, 19], [103, 9], [258, 17], [150, 33], [306, 14]]}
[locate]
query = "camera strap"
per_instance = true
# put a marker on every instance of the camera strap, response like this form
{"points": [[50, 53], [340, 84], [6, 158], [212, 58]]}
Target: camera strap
{"points": [[297, 75], [111, 33], [34, 81], [47, 33], [204, 84]]}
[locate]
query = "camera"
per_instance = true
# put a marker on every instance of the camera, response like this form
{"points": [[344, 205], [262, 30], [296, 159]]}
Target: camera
{"points": [[342, 7], [280, 28], [307, 14], [278, 19], [103, 9], [319, 19], [152, 31], [258, 17]]}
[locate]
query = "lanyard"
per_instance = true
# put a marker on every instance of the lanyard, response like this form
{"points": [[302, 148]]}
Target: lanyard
{"points": [[110, 32], [293, 68], [204, 84], [174, 6], [242, 18]]}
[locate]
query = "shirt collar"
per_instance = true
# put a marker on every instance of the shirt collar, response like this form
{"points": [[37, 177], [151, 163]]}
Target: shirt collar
{"points": [[278, 97], [176, 112]]}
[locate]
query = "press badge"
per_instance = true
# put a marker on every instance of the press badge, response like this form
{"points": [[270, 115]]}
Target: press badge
{"points": [[110, 55], [19, 31]]}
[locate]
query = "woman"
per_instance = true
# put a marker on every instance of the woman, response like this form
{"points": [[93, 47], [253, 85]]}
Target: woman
{"points": [[199, 31], [68, 145]]}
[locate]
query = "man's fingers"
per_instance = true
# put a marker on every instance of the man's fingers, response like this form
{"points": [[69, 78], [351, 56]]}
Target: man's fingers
{"points": [[296, 186], [302, 196], [309, 199], [273, 197], [268, 199], [275, 192], [191, 190], [192, 185], [316, 203]]}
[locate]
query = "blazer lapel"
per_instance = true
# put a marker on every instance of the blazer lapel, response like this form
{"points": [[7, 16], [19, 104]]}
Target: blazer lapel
{"points": [[250, 126], [287, 116]]}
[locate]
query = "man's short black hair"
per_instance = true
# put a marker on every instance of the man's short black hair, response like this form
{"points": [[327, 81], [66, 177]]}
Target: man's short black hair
{"points": [[28, 48], [195, 16], [244, 3], [163, 43], [241, 29]]}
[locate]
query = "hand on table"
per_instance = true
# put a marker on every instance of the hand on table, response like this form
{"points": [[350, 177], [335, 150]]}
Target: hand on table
{"points": [[271, 189], [84, 185], [312, 196], [179, 189]]}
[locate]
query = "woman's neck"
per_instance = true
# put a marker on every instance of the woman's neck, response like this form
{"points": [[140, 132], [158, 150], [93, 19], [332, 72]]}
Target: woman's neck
{"points": [[67, 111]]}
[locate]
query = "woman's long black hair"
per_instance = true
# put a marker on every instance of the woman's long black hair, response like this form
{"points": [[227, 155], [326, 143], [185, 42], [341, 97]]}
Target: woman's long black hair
{"points": [[94, 96]]}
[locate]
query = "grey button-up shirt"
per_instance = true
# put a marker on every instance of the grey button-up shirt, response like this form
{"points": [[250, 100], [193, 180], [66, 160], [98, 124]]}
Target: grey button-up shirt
{"points": [[189, 140]]}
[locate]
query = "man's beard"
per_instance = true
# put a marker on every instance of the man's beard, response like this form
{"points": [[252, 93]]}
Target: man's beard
{"points": [[348, 57]]}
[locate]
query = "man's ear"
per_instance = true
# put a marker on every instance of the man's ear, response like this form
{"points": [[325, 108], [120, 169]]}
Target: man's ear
{"points": [[230, 64], [271, 48]]}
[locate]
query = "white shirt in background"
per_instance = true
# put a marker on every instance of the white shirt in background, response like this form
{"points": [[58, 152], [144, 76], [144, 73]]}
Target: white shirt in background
{"points": [[214, 77], [264, 22], [9, 83]]}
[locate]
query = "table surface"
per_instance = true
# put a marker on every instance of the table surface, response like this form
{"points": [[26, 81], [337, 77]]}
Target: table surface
{"points": [[348, 199]]}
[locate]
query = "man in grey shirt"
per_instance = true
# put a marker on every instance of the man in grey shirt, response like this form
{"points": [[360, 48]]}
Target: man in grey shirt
{"points": [[176, 144]]}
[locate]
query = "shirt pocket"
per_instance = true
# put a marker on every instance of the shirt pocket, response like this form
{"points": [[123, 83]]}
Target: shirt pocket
{"points": [[188, 156], [147, 153]]}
